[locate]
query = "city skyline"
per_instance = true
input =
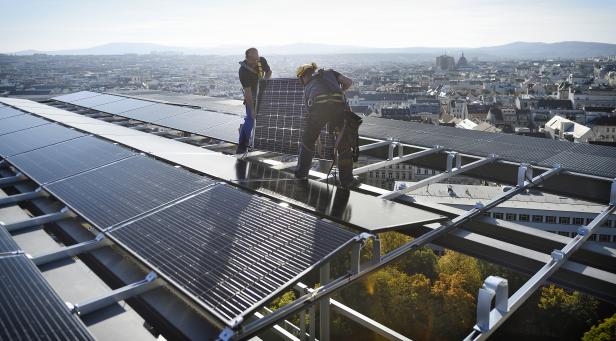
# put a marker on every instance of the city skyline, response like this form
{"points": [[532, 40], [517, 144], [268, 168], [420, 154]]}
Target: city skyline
{"points": [[59, 25]]}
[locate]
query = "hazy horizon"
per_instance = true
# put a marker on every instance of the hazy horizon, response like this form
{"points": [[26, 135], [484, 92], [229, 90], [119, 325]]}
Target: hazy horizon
{"points": [[64, 25]]}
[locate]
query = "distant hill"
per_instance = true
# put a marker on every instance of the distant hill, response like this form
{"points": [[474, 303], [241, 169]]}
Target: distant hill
{"points": [[517, 50]]}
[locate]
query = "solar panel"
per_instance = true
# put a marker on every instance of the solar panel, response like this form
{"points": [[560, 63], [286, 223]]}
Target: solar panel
{"points": [[225, 132], [33, 138], [229, 250], [343, 206], [21, 122], [90, 102], [7, 244], [201, 122], [30, 309], [155, 112], [68, 158], [577, 157], [69, 98], [6, 112], [124, 105], [281, 119], [119, 191]]}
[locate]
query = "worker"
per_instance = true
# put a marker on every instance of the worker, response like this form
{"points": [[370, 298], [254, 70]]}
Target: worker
{"points": [[252, 70], [326, 103]]}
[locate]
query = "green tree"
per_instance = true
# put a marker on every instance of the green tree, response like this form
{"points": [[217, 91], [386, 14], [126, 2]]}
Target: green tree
{"points": [[456, 306], [453, 262], [604, 331], [566, 314]]}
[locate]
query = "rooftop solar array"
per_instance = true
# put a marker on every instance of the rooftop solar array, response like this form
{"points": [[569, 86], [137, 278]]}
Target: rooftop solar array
{"points": [[21, 122], [230, 250], [212, 124], [582, 158], [281, 119], [122, 190], [30, 309], [29, 139], [68, 158]]}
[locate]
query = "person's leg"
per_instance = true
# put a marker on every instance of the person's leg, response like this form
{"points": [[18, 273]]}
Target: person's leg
{"points": [[314, 124], [345, 155], [245, 133]]}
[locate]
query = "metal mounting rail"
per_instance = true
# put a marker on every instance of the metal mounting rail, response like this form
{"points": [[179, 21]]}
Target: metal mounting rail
{"points": [[495, 288], [395, 160], [64, 213], [17, 198], [71, 251], [442, 176], [148, 283], [357, 271], [11, 180], [375, 145]]}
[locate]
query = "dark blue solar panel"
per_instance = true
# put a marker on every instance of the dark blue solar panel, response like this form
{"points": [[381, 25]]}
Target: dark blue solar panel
{"points": [[231, 250], [108, 195], [30, 309], [34, 138]]}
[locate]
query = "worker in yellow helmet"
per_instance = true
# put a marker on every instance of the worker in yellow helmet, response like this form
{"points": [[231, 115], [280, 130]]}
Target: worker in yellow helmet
{"points": [[324, 97]]}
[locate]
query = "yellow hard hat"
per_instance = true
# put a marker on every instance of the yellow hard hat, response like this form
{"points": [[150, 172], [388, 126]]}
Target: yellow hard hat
{"points": [[303, 68]]}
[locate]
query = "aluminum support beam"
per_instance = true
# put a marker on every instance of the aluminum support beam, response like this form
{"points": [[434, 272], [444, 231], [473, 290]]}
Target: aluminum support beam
{"points": [[11, 180], [134, 289], [396, 160], [17, 198], [440, 177], [65, 213], [489, 320], [374, 145], [71, 251]]}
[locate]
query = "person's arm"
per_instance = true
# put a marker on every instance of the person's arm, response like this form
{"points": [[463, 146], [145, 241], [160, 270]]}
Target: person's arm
{"points": [[345, 82], [267, 68], [249, 101]]}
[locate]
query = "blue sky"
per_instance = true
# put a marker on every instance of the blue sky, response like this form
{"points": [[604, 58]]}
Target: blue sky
{"points": [[68, 24]]}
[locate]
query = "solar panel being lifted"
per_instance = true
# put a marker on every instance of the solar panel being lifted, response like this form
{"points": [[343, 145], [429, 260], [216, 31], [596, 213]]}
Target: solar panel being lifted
{"points": [[114, 193], [21, 122], [68, 158], [30, 309], [281, 119], [33, 138], [229, 250]]}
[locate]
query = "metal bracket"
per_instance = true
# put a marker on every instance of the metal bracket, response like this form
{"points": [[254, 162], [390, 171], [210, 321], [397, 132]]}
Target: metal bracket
{"points": [[64, 213], [71, 251], [125, 292], [14, 199], [525, 173], [493, 287], [613, 193], [10, 180], [450, 158]]}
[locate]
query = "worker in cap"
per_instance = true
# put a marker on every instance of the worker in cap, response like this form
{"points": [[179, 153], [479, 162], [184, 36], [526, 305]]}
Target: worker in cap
{"points": [[252, 69], [326, 103]]}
